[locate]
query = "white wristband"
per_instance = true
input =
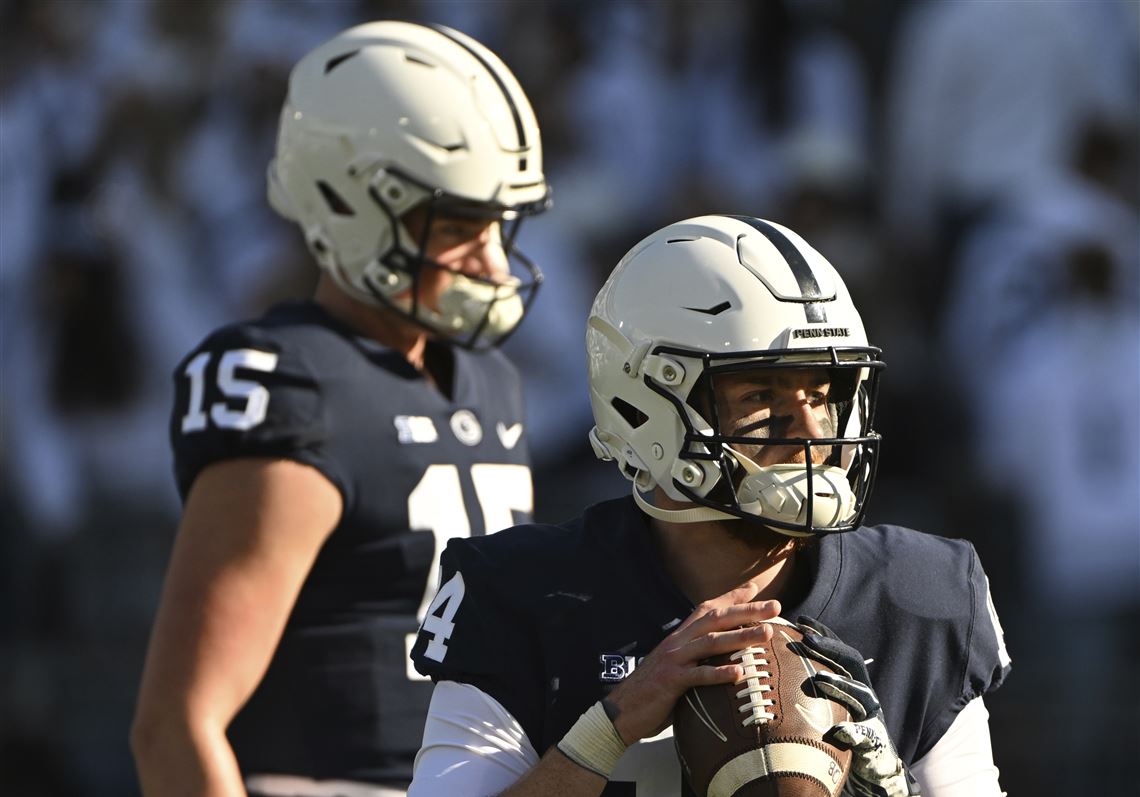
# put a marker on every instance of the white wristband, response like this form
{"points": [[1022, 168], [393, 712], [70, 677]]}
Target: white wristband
{"points": [[593, 742]]}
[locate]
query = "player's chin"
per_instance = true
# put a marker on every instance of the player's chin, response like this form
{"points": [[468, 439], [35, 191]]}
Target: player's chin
{"points": [[758, 536]]}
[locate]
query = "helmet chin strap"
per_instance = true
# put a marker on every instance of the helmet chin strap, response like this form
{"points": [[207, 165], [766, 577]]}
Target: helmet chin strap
{"points": [[777, 492], [692, 515], [696, 514]]}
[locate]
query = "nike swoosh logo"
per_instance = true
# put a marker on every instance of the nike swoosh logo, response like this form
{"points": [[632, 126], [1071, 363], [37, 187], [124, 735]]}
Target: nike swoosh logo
{"points": [[509, 437], [716, 309]]}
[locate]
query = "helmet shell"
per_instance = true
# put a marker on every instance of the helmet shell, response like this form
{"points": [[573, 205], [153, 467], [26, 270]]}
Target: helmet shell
{"points": [[399, 112]]}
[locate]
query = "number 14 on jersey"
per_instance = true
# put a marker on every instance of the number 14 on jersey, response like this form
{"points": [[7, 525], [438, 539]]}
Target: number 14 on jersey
{"points": [[436, 503]]}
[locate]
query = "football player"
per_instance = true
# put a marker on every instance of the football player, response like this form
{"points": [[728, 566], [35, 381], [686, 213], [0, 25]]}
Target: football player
{"points": [[732, 383], [326, 451]]}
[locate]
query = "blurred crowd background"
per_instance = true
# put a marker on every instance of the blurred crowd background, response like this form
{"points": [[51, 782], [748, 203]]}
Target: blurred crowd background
{"points": [[970, 167]]}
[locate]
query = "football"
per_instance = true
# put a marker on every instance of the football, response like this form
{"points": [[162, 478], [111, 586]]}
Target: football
{"points": [[762, 736]]}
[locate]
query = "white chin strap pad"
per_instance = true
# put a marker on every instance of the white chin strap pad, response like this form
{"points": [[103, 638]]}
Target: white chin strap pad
{"points": [[780, 492], [465, 301], [462, 305]]}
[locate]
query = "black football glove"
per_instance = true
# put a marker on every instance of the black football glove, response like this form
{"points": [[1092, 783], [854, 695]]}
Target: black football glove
{"points": [[876, 769]]}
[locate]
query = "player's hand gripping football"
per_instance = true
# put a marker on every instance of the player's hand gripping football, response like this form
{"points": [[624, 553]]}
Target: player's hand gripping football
{"points": [[876, 769], [643, 704]]}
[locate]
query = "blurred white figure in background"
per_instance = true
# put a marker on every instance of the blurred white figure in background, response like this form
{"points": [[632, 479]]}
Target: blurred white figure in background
{"points": [[989, 96], [1044, 327]]}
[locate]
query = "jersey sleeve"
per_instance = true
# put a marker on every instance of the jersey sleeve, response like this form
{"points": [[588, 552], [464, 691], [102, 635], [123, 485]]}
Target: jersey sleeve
{"points": [[246, 393], [988, 662], [983, 665], [477, 631], [917, 605]]}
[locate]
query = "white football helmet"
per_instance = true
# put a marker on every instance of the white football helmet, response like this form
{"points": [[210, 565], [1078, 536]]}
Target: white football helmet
{"points": [[390, 115], [720, 295]]}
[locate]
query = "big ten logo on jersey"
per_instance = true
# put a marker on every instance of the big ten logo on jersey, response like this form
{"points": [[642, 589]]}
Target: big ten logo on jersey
{"points": [[616, 667], [414, 429]]}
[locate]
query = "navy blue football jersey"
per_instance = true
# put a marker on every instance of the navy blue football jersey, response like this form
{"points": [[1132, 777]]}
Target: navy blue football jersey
{"points": [[548, 619], [414, 469]]}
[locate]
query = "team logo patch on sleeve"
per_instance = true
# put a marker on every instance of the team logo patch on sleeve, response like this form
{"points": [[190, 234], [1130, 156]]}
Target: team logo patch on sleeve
{"points": [[415, 429]]}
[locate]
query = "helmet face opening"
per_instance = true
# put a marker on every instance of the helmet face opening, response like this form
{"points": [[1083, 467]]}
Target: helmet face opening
{"points": [[785, 436], [472, 311]]}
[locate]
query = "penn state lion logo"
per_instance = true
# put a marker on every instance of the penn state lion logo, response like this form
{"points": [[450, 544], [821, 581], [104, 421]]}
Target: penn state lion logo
{"points": [[466, 428]]}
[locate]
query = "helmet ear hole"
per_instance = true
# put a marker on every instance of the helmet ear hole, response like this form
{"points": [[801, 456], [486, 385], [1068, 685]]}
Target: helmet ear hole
{"points": [[335, 201], [631, 414]]}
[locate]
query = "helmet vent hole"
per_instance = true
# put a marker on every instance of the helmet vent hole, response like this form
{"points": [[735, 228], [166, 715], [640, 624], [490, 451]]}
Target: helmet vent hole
{"points": [[632, 415], [716, 309], [334, 200], [333, 63]]}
